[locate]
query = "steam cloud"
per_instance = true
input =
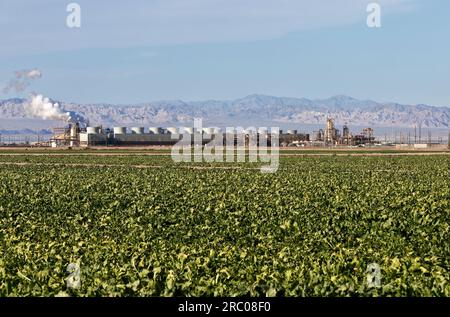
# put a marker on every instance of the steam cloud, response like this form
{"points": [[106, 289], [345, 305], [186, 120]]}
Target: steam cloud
{"points": [[22, 80], [40, 106], [43, 108]]}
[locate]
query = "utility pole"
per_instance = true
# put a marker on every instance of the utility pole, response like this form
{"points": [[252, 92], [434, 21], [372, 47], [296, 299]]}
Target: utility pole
{"points": [[415, 134], [448, 140], [420, 132]]}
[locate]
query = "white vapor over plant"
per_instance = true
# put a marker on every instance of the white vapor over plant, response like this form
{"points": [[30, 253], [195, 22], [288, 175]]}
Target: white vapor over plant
{"points": [[22, 80], [42, 107], [38, 105]]}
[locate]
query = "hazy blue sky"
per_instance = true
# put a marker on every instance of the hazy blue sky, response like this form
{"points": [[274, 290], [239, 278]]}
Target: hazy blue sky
{"points": [[137, 51]]}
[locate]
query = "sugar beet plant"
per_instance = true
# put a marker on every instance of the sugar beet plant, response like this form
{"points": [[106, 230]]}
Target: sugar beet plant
{"points": [[311, 229]]}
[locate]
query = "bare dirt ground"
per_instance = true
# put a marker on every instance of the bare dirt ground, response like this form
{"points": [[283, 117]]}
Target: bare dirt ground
{"points": [[374, 153], [166, 151], [433, 148]]}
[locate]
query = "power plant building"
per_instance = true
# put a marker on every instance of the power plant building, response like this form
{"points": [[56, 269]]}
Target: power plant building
{"points": [[158, 136]]}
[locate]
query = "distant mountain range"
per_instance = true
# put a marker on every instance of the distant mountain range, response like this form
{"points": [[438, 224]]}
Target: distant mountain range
{"points": [[253, 110]]}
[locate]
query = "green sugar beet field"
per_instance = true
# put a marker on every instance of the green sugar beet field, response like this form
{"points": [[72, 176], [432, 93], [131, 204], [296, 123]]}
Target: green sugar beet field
{"points": [[146, 226]]}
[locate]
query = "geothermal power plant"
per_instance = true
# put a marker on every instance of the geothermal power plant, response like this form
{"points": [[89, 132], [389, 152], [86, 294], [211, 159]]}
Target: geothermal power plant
{"points": [[75, 135]]}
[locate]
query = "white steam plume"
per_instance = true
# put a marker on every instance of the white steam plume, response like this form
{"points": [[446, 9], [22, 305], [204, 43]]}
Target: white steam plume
{"points": [[22, 80], [42, 107]]}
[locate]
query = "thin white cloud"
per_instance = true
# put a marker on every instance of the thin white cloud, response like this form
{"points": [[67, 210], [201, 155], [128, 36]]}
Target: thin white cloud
{"points": [[40, 25]]}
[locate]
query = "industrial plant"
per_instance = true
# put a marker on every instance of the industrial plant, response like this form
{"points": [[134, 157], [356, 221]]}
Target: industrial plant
{"points": [[333, 137], [79, 134], [75, 135]]}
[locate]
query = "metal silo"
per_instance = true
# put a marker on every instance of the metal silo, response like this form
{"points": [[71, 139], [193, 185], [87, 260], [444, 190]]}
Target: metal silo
{"points": [[249, 131], [208, 130], [172, 130], [231, 131], [120, 130], [263, 131], [154, 130], [92, 130], [188, 130], [137, 130]]}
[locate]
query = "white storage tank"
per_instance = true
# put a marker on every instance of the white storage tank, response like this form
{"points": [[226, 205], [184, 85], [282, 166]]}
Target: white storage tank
{"points": [[172, 130], [120, 130], [263, 131], [231, 131], [208, 130], [249, 131], [290, 131], [154, 130], [188, 130], [92, 130], [137, 130]]}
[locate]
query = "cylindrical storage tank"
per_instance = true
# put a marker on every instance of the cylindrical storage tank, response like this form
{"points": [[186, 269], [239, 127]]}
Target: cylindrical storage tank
{"points": [[208, 130], [249, 131], [120, 130], [154, 130], [290, 131], [137, 130], [92, 130], [189, 130], [232, 131], [172, 130], [262, 131]]}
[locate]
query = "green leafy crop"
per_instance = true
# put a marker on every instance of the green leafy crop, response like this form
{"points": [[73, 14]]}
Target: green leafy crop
{"points": [[144, 226]]}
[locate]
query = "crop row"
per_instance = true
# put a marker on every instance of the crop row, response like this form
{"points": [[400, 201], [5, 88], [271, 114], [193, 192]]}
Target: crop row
{"points": [[311, 229]]}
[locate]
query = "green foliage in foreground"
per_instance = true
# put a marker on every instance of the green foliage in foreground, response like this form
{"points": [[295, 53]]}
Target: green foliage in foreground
{"points": [[311, 229]]}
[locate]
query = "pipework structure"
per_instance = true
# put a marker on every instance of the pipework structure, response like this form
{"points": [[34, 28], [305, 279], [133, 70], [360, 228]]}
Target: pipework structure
{"points": [[73, 136]]}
